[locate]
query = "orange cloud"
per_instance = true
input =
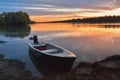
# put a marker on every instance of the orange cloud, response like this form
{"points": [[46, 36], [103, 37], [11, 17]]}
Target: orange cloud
{"points": [[57, 12], [81, 14], [58, 17]]}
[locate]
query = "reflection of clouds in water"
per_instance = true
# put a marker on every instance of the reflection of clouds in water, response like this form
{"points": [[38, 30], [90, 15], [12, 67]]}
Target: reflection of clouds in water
{"points": [[74, 47], [90, 48], [112, 41], [82, 32], [53, 35], [60, 35]]}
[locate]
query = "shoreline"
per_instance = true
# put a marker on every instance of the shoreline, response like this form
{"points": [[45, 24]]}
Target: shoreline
{"points": [[108, 68]]}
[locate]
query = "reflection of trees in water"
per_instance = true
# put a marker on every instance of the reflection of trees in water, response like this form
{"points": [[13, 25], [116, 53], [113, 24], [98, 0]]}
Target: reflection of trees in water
{"points": [[78, 25], [111, 26], [15, 31]]}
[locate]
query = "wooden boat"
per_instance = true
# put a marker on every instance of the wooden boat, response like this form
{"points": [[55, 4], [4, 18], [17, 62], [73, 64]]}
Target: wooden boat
{"points": [[52, 55]]}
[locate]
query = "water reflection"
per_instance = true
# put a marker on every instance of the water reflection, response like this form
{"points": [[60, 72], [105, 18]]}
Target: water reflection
{"points": [[61, 30], [111, 26], [15, 31], [1, 42], [104, 25], [90, 42]]}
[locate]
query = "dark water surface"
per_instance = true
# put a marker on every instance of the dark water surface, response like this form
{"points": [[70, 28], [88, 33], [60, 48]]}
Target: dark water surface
{"points": [[90, 42]]}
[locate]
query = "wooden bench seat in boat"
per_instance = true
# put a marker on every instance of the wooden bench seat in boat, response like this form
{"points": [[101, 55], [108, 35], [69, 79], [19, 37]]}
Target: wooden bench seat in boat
{"points": [[49, 50]]}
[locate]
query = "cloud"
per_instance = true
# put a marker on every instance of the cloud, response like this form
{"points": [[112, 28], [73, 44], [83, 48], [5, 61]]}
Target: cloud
{"points": [[113, 4], [50, 7]]}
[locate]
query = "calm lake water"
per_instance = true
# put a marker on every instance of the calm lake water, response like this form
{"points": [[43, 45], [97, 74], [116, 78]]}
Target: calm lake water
{"points": [[90, 42]]}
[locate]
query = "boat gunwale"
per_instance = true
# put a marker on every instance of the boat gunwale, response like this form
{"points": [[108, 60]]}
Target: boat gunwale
{"points": [[67, 51]]}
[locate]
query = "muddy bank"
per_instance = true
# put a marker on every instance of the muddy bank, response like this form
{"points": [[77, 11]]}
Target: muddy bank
{"points": [[13, 70], [108, 69]]}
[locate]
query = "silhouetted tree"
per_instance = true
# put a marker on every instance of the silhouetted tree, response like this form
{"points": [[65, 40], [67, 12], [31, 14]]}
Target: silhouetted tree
{"points": [[14, 18]]}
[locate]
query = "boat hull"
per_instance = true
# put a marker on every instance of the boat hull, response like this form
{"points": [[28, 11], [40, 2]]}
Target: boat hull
{"points": [[53, 62]]}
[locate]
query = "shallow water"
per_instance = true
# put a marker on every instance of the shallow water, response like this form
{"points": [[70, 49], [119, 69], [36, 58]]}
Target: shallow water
{"points": [[90, 42]]}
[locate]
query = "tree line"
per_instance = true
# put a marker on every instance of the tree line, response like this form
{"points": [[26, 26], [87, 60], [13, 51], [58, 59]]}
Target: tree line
{"points": [[14, 18], [104, 19]]}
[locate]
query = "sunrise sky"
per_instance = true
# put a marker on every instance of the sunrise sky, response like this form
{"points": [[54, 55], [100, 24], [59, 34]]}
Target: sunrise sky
{"points": [[52, 10]]}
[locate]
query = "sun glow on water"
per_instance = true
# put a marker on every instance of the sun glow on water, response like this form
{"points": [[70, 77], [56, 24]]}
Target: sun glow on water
{"points": [[75, 30]]}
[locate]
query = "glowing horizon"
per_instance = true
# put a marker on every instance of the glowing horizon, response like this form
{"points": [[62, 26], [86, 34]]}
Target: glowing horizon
{"points": [[47, 18], [52, 10]]}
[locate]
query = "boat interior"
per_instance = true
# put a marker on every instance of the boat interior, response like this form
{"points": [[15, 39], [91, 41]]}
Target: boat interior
{"points": [[48, 48], [53, 50]]}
